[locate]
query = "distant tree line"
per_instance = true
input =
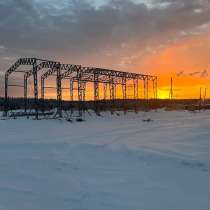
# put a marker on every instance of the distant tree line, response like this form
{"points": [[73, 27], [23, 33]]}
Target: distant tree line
{"points": [[49, 104]]}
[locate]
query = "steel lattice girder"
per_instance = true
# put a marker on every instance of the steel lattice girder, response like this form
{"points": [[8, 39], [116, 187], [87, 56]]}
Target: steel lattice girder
{"points": [[24, 61], [114, 73], [67, 67], [70, 68], [21, 61], [43, 65], [91, 79], [106, 76], [107, 72]]}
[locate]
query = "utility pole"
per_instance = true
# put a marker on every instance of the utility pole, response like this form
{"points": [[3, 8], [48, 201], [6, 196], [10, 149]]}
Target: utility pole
{"points": [[200, 98], [204, 99], [171, 89]]}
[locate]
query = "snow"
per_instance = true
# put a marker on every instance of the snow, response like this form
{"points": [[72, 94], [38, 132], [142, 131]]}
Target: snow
{"points": [[107, 163]]}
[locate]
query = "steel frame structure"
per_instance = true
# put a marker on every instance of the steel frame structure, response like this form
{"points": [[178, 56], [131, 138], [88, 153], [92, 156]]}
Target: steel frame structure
{"points": [[37, 65], [52, 65], [113, 78], [80, 75]]}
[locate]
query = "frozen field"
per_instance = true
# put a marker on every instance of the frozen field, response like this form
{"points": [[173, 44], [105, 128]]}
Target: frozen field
{"points": [[107, 163]]}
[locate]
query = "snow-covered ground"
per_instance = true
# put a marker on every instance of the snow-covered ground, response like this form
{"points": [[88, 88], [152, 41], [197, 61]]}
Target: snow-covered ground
{"points": [[107, 163]]}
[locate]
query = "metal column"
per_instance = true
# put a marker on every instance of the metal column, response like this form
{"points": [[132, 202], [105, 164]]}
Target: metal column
{"points": [[112, 89], [71, 90], [25, 93], [105, 90], [36, 96], [96, 87], [136, 88], [155, 88], [59, 90], [42, 88], [124, 88], [146, 84], [80, 92], [6, 96]]}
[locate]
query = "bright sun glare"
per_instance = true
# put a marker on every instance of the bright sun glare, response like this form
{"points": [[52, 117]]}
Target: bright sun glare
{"points": [[163, 94]]}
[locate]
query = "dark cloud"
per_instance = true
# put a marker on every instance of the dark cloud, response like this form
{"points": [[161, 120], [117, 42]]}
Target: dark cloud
{"points": [[80, 28], [118, 31]]}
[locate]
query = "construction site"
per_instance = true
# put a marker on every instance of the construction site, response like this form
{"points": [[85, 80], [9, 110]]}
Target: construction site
{"points": [[105, 83]]}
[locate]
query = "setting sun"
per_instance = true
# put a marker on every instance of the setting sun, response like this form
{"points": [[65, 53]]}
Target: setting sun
{"points": [[163, 94]]}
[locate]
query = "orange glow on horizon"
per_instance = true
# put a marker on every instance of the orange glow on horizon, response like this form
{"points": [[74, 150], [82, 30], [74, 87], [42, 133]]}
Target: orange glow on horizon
{"points": [[191, 56]]}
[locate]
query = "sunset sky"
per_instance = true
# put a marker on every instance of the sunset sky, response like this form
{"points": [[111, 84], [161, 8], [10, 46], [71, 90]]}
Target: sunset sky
{"points": [[167, 38]]}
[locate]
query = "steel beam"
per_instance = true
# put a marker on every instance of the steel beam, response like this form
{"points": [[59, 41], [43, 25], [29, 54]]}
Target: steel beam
{"points": [[42, 88], [146, 89], [155, 88], [105, 90], [96, 87], [35, 90], [25, 93], [136, 88], [6, 95], [71, 90], [112, 88], [59, 90], [124, 87]]}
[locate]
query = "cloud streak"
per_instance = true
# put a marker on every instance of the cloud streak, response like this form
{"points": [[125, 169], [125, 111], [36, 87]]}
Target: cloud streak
{"points": [[201, 74]]}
